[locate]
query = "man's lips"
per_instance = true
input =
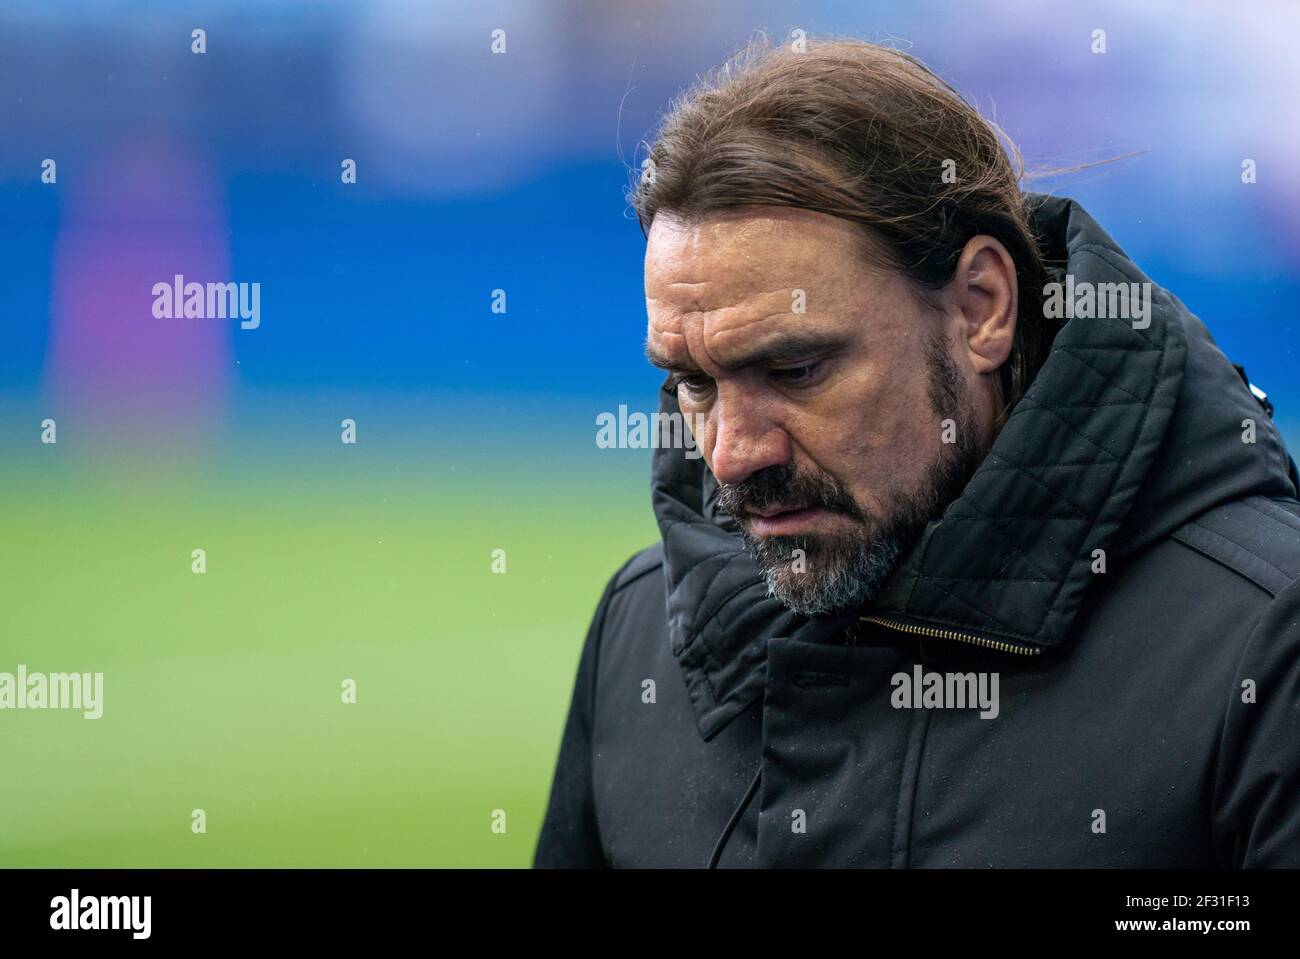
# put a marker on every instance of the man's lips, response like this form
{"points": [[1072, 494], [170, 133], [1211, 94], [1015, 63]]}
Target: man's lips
{"points": [[784, 521]]}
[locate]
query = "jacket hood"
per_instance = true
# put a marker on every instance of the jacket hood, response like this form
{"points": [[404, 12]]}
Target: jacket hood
{"points": [[1124, 435]]}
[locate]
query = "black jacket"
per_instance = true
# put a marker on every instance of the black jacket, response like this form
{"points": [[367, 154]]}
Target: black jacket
{"points": [[1149, 714]]}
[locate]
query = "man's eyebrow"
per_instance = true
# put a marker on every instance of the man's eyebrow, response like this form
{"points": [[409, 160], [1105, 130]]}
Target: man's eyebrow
{"points": [[658, 359], [790, 348]]}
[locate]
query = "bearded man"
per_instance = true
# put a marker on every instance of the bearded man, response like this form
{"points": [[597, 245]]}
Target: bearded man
{"points": [[927, 480]]}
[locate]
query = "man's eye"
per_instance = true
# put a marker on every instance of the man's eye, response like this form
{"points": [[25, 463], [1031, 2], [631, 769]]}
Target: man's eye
{"points": [[797, 375], [694, 383]]}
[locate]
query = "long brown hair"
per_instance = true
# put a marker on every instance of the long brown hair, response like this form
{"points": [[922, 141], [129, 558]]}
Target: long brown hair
{"points": [[865, 133]]}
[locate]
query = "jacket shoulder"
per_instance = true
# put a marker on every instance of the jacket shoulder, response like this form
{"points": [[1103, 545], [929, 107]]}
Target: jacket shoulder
{"points": [[634, 607], [638, 567], [1258, 538]]}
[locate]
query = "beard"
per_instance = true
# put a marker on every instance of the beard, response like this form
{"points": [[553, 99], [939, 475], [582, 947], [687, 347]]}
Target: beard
{"points": [[822, 573]]}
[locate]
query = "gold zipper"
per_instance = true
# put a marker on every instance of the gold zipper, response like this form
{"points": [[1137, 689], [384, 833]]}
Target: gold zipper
{"points": [[949, 634]]}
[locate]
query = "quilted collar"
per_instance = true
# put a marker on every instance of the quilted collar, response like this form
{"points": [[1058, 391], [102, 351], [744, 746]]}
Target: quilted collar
{"points": [[1093, 457]]}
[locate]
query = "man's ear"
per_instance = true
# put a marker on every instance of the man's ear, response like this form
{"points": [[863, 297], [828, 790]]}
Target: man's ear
{"points": [[985, 291]]}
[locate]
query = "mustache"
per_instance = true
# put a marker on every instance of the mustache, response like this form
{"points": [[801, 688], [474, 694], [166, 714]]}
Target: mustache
{"points": [[784, 485]]}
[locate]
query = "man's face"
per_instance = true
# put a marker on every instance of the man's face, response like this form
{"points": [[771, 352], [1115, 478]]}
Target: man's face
{"points": [[822, 387]]}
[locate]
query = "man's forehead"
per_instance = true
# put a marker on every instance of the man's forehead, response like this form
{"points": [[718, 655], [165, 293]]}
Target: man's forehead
{"points": [[749, 249], [727, 315], [733, 281], [736, 336], [760, 314]]}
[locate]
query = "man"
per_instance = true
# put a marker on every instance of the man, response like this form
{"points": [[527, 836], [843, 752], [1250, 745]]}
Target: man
{"points": [[992, 557]]}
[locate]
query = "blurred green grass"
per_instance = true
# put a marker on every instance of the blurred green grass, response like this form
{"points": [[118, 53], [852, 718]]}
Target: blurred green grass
{"points": [[222, 690]]}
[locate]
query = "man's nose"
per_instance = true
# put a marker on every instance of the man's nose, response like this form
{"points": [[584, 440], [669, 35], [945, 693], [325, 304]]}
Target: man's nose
{"points": [[744, 441]]}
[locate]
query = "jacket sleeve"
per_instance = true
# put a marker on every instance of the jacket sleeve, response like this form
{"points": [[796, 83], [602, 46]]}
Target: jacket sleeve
{"points": [[1257, 791], [570, 837]]}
